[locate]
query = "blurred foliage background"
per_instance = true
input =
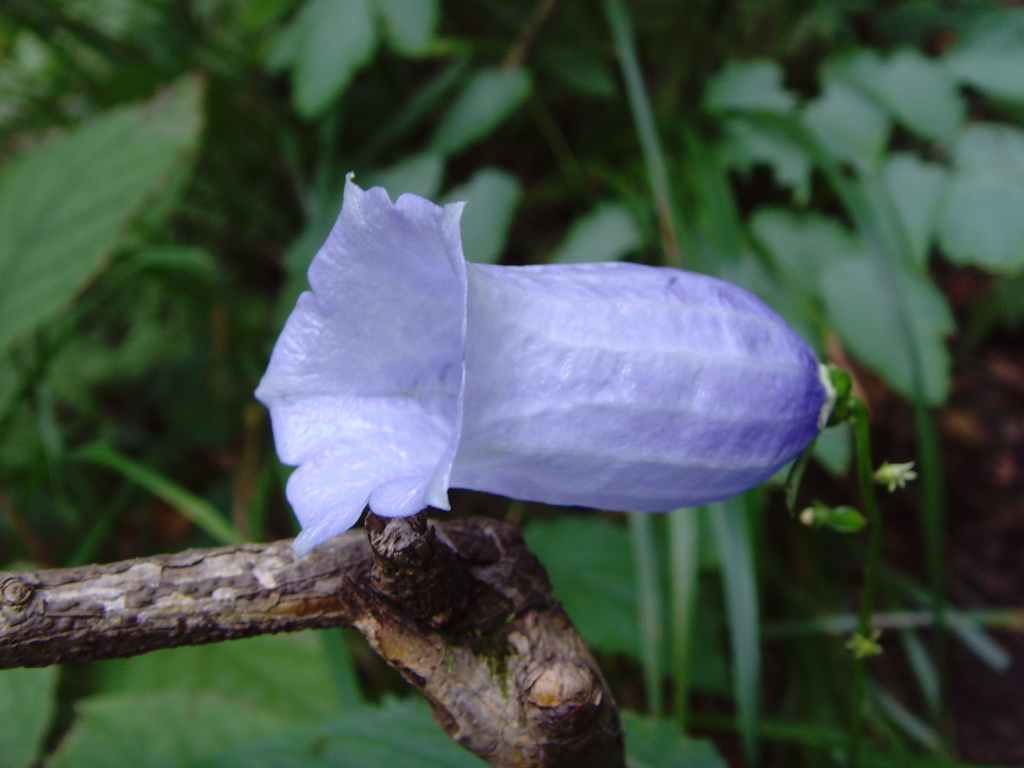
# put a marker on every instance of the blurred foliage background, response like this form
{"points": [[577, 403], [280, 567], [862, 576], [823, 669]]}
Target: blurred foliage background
{"points": [[169, 168]]}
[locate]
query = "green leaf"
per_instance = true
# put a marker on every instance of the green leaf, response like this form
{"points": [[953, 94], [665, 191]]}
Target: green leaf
{"points": [[987, 148], [650, 602], [284, 674], [420, 174], [489, 97], [181, 259], [579, 68], [739, 586], [491, 196], [990, 56], [747, 145], [319, 223], [916, 188], [802, 245], [596, 583], [326, 44], [981, 222], [597, 586], [194, 508], [848, 124], [65, 205], [607, 233], [168, 729], [397, 733], [654, 743], [27, 703], [748, 85], [915, 89], [922, 96], [861, 305], [409, 24]]}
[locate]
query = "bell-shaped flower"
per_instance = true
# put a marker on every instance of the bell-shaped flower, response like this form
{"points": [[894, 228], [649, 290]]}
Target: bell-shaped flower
{"points": [[406, 371]]}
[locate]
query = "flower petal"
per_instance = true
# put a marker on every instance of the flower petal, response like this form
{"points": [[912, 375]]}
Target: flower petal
{"points": [[616, 386], [621, 386], [363, 385]]}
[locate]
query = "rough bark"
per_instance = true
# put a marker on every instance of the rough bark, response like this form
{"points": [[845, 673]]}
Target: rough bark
{"points": [[461, 609]]}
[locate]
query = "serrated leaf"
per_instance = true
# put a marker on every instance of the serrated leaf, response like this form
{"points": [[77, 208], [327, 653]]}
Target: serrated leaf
{"points": [[755, 85], [847, 123], [409, 24], [747, 145], [491, 196], [285, 674], [420, 174], [860, 68], [397, 733], [332, 40], [990, 56], [922, 96], [916, 188], [65, 205], [168, 729], [915, 89], [489, 97], [803, 244], [606, 233], [862, 304], [27, 703], [981, 222], [989, 148], [654, 743]]}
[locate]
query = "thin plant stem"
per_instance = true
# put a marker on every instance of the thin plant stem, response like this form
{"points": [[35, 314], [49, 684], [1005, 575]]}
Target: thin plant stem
{"points": [[199, 511], [869, 500], [647, 132], [683, 528], [934, 503], [649, 607], [739, 584]]}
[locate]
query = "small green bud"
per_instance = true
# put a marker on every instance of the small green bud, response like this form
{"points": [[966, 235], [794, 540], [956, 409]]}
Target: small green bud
{"points": [[865, 646], [894, 476], [843, 518]]}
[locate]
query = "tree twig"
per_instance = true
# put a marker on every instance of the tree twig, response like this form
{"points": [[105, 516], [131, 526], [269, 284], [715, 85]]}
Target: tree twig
{"points": [[463, 610]]}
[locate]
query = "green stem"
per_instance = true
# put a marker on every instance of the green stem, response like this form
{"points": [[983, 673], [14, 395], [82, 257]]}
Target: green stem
{"points": [[739, 584], [643, 120], [199, 511], [649, 607], [862, 441], [934, 503], [683, 528]]}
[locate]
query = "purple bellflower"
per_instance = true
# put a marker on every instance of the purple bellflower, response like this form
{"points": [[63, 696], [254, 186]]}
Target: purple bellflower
{"points": [[407, 371]]}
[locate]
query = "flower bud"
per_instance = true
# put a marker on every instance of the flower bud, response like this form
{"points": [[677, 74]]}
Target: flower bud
{"points": [[406, 371], [894, 476], [844, 519]]}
